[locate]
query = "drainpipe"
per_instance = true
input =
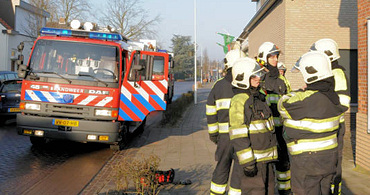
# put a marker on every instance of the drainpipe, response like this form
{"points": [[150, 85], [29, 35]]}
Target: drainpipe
{"points": [[368, 75]]}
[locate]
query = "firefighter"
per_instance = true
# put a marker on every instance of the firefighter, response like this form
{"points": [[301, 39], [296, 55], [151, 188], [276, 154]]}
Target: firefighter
{"points": [[311, 122], [217, 111], [276, 85], [281, 68], [251, 129], [330, 48]]}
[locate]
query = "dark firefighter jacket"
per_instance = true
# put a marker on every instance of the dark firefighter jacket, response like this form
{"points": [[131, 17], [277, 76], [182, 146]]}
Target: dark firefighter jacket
{"points": [[218, 104], [251, 129], [341, 85], [311, 120], [276, 86]]}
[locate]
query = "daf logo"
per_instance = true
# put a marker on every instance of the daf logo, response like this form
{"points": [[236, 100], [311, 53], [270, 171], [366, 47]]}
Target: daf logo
{"points": [[101, 92]]}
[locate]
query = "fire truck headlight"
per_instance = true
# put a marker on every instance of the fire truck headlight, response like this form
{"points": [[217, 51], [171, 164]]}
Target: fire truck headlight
{"points": [[103, 112], [32, 106]]}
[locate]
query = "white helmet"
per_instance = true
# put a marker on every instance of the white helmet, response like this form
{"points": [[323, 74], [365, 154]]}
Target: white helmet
{"points": [[281, 66], [243, 69], [328, 46], [314, 66], [232, 56], [267, 48]]}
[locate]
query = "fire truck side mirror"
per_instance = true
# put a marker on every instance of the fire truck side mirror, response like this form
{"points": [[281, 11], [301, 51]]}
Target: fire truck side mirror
{"points": [[137, 67], [172, 64], [140, 66], [22, 70]]}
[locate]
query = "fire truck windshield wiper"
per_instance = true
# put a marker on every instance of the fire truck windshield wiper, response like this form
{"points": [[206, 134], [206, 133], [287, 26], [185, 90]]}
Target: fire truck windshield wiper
{"points": [[88, 75], [46, 72]]}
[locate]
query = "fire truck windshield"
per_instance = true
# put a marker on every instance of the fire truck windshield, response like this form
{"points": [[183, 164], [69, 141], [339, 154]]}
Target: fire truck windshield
{"points": [[75, 60]]}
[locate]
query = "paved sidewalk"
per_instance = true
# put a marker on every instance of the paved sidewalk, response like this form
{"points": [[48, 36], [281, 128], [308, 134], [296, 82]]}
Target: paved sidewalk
{"points": [[185, 148], [189, 152]]}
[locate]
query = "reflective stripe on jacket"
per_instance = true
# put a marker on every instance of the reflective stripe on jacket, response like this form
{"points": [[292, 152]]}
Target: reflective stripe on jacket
{"points": [[218, 104], [253, 142], [311, 121], [341, 86], [276, 87]]}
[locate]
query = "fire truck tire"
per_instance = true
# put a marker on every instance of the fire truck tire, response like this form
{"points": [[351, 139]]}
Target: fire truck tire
{"points": [[141, 128], [38, 141], [125, 137]]}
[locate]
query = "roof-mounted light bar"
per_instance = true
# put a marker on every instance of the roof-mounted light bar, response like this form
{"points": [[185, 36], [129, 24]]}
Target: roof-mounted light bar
{"points": [[79, 33]]}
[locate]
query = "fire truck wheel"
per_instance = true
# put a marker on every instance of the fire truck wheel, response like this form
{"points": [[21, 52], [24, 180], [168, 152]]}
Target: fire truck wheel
{"points": [[140, 129], [38, 141], [125, 136]]}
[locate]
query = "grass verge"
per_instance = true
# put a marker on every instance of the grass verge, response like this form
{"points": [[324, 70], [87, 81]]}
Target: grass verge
{"points": [[174, 111]]}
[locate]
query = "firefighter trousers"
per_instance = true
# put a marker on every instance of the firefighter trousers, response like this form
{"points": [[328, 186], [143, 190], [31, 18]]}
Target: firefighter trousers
{"points": [[337, 180], [224, 156], [261, 184], [312, 172], [283, 164]]}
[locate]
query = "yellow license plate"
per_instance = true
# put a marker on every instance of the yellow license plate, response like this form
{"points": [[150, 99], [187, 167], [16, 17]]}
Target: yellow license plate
{"points": [[68, 123], [14, 109]]}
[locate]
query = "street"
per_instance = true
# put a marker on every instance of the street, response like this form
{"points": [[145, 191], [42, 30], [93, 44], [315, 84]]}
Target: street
{"points": [[62, 167]]}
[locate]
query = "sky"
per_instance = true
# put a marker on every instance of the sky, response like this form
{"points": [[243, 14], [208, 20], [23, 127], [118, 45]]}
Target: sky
{"points": [[177, 17]]}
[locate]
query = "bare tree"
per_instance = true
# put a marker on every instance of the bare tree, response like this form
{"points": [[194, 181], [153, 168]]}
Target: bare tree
{"points": [[47, 5], [72, 9], [128, 17], [35, 19], [206, 63]]}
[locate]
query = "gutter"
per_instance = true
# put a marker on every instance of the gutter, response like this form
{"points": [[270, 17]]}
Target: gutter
{"points": [[261, 12], [14, 32]]}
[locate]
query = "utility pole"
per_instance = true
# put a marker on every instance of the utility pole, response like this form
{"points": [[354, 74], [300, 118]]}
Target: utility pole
{"points": [[201, 64], [195, 51]]}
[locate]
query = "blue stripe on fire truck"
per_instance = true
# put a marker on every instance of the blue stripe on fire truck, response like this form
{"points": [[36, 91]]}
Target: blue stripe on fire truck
{"points": [[144, 102], [27, 97], [54, 97], [159, 101], [132, 107], [41, 96], [124, 115]]}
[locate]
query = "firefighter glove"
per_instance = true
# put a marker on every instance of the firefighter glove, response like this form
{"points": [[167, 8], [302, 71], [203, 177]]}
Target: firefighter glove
{"points": [[250, 171], [213, 138]]}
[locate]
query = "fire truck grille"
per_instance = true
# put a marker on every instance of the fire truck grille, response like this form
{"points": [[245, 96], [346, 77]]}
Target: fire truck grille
{"points": [[69, 111]]}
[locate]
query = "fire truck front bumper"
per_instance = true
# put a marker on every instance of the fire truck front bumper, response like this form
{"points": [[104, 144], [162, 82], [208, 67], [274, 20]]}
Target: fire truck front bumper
{"points": [[68, 129]]}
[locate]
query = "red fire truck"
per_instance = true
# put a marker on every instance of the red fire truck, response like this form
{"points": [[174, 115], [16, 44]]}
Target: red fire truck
{"points": [[86, 86]]}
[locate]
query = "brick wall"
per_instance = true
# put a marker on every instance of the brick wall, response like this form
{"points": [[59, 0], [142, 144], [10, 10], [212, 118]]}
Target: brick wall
{"points": [[296, 25], [309, 21], [362, 137], [362, 141], [363, 14], [270, 29]]}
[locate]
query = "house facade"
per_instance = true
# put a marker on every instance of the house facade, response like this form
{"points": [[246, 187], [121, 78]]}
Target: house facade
{"points": [[19, 22], [362, 116], [295, 25]]}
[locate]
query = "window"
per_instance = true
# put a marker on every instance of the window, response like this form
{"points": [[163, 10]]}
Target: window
{"points": [[75, 60]]}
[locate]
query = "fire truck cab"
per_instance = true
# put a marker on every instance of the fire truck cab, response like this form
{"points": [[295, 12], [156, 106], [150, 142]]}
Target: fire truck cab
{"points": [[87, 86]]}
